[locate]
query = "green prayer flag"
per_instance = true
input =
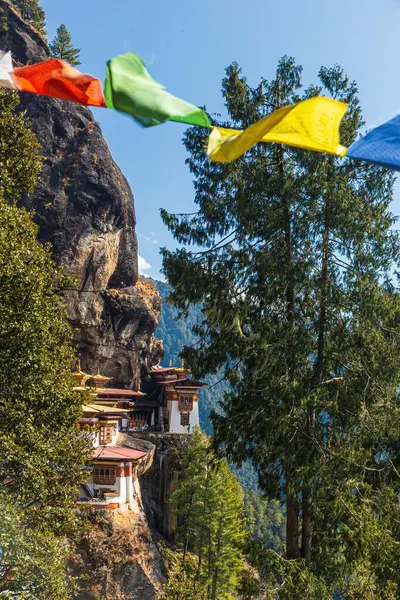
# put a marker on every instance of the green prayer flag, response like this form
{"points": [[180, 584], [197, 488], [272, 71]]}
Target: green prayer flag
{"points": [[130, 88]]}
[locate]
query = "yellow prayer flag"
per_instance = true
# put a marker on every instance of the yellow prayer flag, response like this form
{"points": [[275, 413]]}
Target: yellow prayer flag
{"points": [[312, 124]]}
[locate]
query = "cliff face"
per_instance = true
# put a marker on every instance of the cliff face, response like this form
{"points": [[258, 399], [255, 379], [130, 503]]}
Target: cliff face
{"points": [[157, 483], [118, 560], [117, 557], [84, 207]]}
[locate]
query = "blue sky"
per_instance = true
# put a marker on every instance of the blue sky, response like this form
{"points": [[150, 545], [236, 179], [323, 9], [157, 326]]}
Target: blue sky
{"points": [[187, 45]]}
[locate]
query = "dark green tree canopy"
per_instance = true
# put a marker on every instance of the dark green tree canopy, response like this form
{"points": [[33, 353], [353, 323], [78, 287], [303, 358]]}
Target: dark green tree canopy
{"points": [[19, 151], [61, 47], [209, 502], [32, 13], [293, 271], [41, 450]]}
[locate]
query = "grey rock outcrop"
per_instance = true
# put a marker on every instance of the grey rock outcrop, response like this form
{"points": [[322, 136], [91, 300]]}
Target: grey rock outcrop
{"points": [[85, 208]]}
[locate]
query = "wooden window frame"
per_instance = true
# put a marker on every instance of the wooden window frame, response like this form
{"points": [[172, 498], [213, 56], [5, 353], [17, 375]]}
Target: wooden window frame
{"points": [[106, 439], [184, 418], [105, 475], [186, 402]]}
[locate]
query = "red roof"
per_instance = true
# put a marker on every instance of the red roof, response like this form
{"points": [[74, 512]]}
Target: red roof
{"points": [[183, 383], [116, 392], [147, 404], [117, 453]]}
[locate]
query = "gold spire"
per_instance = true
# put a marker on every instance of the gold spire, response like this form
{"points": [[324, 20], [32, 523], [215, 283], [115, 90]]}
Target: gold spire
{"points": [[79, 376], [182, 368], [99, 376]]}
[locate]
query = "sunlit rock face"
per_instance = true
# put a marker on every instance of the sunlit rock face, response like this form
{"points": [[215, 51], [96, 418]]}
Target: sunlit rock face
{"points": [[84, 208]]}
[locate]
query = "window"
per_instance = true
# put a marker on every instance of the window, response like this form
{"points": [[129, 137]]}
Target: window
{"points": [[106, 434], [185, 420], [185, 402], [104, 475]]}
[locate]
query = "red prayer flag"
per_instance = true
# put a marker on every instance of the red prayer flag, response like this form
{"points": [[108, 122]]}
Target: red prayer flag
{"points": [[58, 79]]}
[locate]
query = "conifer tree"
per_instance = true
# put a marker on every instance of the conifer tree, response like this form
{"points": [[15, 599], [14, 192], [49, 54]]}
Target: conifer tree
{"points": [[299, 308], [41, 451], [209, 500], [33, 13], [61, 47]]}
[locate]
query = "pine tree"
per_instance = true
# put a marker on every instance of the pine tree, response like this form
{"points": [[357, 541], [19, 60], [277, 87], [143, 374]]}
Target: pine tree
{"points": [[61, 47], [41, 452], [299, 309], [209, 501], [33, 13]]}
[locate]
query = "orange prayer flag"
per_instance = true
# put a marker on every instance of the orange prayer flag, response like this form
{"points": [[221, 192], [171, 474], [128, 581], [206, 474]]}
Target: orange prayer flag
{"points": [[58, 79]]}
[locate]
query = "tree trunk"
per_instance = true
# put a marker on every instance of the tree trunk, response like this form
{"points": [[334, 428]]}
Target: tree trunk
{"points": [[306, 530], [292, 528], [306, 542], [292, 505]]}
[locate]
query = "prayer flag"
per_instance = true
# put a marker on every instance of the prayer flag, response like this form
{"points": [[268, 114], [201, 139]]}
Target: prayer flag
{"points": [[381, 146], [130, 88], [58, 79], [6, 68], [312, 124]]}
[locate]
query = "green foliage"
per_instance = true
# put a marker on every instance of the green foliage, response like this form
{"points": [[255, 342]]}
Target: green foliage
{"points": [[32, 561], [294, 276], [61, 47], [209, 502], [183, 585], [3, 21], [41, 451], [250, 585], [33, 13], [20, 162], [177, 333], [265, 520]]}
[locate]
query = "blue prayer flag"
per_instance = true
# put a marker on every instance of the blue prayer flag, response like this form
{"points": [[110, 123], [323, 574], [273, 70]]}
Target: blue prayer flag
{"points": [[381, 146]]}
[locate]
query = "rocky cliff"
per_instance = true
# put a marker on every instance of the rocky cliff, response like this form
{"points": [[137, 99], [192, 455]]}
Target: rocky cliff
{"points": [[158, 482], [117, 559], [85, 208]]}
